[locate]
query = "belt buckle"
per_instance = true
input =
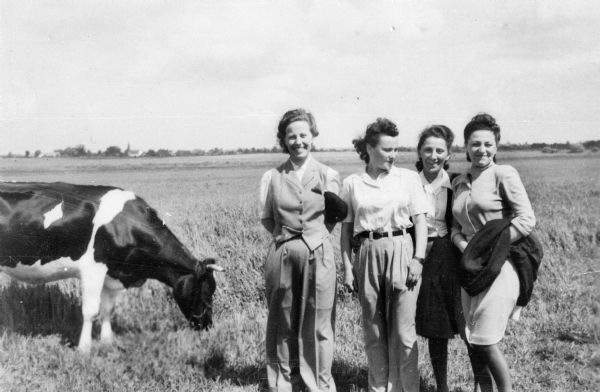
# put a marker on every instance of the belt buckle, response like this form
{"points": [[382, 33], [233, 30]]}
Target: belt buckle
{"points": [[371, 235]]}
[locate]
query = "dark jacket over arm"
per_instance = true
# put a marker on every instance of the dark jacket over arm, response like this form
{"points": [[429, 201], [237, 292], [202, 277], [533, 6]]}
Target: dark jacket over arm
{"points": [[487, 252]]}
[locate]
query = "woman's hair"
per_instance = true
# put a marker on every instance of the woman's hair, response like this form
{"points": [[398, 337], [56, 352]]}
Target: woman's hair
{"points": [[440, 131], [482, 122], [382, 126], [289, 117]]}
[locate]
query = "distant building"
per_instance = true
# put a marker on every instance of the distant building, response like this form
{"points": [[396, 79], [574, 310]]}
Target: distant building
{"points": [[133, 153], [49, 154]]}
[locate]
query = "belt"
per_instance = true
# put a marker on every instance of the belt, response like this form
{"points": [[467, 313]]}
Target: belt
{"points": [[374, 235]]}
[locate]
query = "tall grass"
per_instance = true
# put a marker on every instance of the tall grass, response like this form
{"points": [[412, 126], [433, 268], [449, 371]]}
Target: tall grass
{"points": [[211, 207]]}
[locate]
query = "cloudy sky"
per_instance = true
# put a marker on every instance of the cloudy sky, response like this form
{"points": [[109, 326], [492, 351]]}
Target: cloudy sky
{"points": [[203, 74]]}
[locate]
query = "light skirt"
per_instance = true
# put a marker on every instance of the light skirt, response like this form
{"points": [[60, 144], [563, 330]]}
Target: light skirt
{"points": [[487, 314]]}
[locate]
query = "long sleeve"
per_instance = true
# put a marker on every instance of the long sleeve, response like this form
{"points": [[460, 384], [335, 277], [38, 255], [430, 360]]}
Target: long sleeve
{"points": [[514, 193]]}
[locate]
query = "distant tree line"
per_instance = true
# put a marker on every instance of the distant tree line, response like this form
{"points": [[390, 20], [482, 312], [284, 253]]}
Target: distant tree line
{"points": [[115, 151]]}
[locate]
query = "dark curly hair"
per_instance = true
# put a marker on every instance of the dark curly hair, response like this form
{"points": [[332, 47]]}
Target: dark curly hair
{"points": [[441, 131], [482, 122], [295, 115], [382, 126]]}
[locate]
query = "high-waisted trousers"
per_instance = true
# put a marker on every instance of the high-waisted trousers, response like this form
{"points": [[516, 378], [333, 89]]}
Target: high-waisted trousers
{"points": [[300, 289], [388, 313]]}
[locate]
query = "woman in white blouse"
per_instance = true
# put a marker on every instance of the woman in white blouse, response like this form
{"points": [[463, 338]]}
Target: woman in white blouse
{"points": [[381, 202]]}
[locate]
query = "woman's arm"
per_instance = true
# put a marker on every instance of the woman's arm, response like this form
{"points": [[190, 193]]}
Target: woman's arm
{"points": [[513, 192], [458, 237], [332, 184], [268, 223], [346, 248], [265, 200], [415, 267]]}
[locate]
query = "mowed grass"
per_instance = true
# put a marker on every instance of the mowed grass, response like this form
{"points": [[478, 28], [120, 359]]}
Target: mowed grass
{"points": [[210, 203]]}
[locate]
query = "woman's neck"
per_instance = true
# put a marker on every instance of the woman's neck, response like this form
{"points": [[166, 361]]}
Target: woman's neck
{"points": [[374, 172], [431, 176], [475, 171], [299, 161]]}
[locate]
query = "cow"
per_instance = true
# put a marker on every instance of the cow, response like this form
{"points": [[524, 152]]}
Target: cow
{"points": [[108, 238]]}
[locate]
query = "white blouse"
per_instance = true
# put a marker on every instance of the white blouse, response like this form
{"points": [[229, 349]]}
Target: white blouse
{"points": [[385, 204], [437, 198]]}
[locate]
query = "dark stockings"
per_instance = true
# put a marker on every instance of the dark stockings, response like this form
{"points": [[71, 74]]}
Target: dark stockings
{"points": [[438, 352]]}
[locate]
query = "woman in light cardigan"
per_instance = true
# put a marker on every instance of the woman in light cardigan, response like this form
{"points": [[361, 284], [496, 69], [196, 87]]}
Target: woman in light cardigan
{"points": [[485, 192]]}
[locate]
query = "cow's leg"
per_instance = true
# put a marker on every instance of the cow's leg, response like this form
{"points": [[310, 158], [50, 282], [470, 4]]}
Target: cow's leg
{"points": [[110, 292], [92, 280]]}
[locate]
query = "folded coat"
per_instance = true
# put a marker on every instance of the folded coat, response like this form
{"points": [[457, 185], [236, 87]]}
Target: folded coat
{"points": [[487, 252]]}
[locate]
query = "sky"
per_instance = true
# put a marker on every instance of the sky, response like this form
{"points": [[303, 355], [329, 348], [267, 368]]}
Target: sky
{"points": [[205, 74]]}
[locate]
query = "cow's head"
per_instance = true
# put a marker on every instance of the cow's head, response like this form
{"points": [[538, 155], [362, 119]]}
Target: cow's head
{"points": [[194, 293]]}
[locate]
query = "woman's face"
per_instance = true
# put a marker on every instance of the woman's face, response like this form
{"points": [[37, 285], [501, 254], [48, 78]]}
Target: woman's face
{"points": [[481, 148], [383, 155], [298, 140], [434, 154]]}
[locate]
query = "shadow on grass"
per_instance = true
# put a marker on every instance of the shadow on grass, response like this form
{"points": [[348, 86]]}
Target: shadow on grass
{"points": [[40, 310], [348, 377]]}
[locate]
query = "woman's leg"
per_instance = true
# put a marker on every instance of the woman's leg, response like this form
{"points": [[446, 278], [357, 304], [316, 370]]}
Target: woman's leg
{"points": [[373, 303], [498, 367], [490, 360], [483, 378], [317, 316], [280, 337], [438, 352]]}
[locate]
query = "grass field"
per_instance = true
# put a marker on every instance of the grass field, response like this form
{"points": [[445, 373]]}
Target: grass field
{"points": [[210, 204]]}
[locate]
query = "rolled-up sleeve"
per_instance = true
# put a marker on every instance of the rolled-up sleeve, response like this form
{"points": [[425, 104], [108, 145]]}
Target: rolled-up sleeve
{"points": [[346, 195], [265, 198], [418, 203], [515, 194], [332, 181]]}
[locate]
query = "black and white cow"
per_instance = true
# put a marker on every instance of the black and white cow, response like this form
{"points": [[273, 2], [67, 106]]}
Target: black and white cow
{"points": [[105, 236]]}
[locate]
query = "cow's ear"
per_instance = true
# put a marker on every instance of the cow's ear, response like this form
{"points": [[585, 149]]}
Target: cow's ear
{"points": [[200, 268]]}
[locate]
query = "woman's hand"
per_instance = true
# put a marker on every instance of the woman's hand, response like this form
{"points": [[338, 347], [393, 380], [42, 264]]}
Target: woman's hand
{"points": [[460, 242], [349, 280], [415, 268]]}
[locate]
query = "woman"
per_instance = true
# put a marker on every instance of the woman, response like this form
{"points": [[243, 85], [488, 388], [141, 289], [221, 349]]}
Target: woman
{"points": [[381, 202], [300, 272], [486, 192], [438, 307]]}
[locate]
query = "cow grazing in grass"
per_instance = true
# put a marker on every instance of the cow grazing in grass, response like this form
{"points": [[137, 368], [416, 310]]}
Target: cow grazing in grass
{"points": [[105, 236]]}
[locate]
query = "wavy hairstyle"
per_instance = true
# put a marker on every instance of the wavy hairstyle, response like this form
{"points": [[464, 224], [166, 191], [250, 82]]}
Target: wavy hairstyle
{"points": [[440, 131], [382, 126], [482, 122], [295, 115]]}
